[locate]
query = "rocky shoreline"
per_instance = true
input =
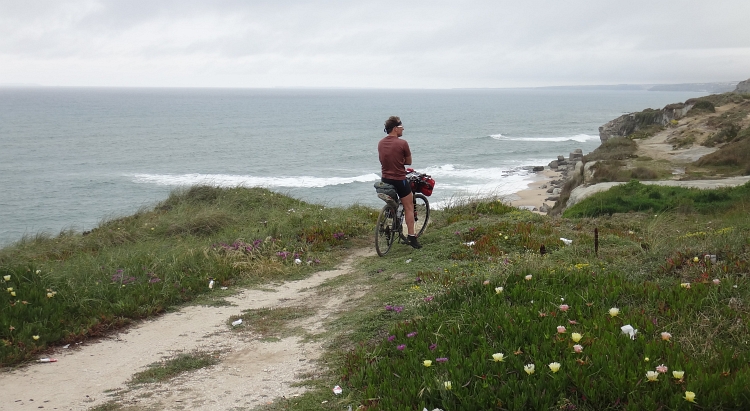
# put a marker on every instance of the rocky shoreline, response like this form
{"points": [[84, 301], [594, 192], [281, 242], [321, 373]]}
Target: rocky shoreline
{"points": [[552, 177]]}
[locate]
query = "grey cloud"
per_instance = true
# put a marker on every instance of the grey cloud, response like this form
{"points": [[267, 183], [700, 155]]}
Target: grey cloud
{"points": [[366, 43]]}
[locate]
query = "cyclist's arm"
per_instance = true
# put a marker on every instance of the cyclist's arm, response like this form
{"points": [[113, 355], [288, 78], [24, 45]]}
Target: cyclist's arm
{"points": [[407, 161]]}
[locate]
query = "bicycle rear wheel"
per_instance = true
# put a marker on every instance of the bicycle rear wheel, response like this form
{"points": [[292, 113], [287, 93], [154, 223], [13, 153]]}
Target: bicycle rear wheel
{"points": [[421, 213], [384, 233]]}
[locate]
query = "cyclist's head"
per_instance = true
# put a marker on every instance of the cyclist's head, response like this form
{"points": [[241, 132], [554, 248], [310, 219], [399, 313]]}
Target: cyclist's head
{"points": [[391, 123]]}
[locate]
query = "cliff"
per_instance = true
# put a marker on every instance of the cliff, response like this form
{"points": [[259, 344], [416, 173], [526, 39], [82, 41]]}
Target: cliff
{"points": [[743, 87], [649, 119], [628, 124], [706, 138]]}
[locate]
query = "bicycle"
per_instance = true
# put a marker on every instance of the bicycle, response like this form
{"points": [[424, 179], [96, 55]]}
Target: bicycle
{"points": [[390, 223]]}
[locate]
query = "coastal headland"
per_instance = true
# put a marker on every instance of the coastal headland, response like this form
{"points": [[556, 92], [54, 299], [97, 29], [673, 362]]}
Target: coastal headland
{"points": [[701, 143]]}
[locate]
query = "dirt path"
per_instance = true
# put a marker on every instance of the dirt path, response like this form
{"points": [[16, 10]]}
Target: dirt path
{"points": [[250, 373], [659, 148]]}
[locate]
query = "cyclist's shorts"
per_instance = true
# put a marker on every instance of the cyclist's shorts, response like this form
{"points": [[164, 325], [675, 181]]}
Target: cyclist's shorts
{"points": [[403, 188]]}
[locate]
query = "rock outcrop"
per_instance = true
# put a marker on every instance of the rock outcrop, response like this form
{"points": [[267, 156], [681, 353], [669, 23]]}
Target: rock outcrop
{"points": [[629, 123], [743, 87]]}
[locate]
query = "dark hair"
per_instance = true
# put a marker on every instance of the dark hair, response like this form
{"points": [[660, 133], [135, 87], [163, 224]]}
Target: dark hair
{"points": [[391, 123]]}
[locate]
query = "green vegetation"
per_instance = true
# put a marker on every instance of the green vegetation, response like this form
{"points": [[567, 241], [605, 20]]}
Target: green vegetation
{"points": [[174, 366], [63, 289], [718, 100], [731, 159], [647, 117], [479, 288], [618, 148], [645, 132], [501, 296], [271, 323], [702, 106], [635, 196]]}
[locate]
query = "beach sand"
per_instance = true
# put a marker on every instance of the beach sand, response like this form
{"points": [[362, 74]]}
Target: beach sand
{"points": [[534, 195]]}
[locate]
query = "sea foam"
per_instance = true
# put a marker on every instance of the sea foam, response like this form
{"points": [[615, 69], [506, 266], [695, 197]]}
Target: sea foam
{"points": [[229, 180], [579, 137]]}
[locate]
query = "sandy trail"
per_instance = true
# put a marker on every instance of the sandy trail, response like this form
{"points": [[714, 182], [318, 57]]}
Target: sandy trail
{"points": [[250, 373]]}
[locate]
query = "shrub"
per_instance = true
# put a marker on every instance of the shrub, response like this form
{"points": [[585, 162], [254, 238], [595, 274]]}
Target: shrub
{"points": [[727, 134], [734, 157], [703, 106], [617, 148], [646, 132], [643, 173]]}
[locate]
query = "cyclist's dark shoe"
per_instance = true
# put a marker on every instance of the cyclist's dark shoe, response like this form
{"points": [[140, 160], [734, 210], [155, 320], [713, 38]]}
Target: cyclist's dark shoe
{"points": [[412, 241]]}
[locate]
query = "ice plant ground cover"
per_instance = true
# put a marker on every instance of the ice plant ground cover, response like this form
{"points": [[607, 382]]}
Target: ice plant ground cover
{"points": [[488, 347], [635, 280]]}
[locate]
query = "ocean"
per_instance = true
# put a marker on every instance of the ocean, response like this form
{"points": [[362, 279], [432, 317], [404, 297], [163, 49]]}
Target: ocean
{"points": [[71, 158]]}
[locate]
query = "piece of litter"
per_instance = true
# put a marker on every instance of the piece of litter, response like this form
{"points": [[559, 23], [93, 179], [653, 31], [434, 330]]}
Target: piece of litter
{"points": [[297, 261], [48, 360], [224, 288], [236, 323], [566, 241], [629, 330], [211, 284], [408, 261], [337, 390], [469, 244], [66, 345]]}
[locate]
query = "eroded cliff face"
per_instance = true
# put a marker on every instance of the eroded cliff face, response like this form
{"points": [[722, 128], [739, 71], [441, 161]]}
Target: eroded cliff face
{"points": [[743, 87], [630, 123]]}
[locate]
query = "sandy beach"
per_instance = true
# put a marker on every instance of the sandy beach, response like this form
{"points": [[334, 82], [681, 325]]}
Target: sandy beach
{"points": [[533, 197]]}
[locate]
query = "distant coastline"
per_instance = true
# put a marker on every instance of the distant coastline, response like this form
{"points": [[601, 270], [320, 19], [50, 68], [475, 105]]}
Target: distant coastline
{"points": [[717, 87], [712, 87]]}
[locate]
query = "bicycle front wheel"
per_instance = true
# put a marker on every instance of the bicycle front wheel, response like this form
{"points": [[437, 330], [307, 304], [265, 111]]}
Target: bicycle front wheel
{"points": [[384, 233]]}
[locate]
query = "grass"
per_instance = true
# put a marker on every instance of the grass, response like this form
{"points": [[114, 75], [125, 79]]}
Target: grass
{"points": [[271, 323], [731, 159], [75, 286], [458, 314], [171, 367], [635, 196], [446, 305]]}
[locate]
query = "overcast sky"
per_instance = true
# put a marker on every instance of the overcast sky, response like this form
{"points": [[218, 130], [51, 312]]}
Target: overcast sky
{"points": [[367, 43]]}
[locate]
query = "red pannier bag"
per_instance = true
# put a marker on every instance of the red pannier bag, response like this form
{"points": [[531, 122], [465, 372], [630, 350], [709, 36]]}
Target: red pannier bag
{"points": [[420, 183]]}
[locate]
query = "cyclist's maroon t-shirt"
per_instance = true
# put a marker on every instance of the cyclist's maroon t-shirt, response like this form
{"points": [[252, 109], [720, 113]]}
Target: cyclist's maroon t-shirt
{"points": [[392, 152]]}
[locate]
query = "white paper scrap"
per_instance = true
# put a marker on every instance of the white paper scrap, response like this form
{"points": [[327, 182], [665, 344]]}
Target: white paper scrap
{"points": [[629, 330]]}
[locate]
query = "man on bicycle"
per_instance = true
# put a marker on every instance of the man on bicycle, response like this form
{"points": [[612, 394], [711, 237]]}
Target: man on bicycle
{"points": [[394, 154]]}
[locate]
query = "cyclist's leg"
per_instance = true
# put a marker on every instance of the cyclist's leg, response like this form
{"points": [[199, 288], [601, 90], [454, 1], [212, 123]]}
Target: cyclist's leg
{"points": [[408, 203]]}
